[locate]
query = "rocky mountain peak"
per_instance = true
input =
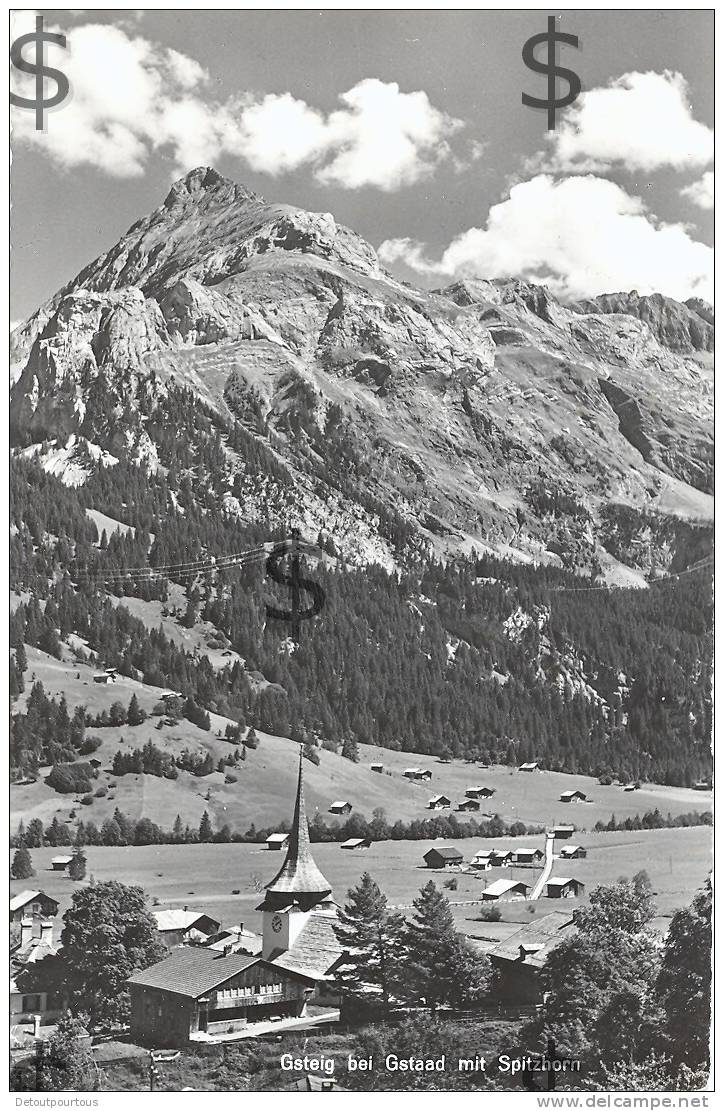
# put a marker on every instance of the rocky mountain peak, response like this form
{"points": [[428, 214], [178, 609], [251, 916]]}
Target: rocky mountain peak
{"points": [[204, 182], [684, 328]]}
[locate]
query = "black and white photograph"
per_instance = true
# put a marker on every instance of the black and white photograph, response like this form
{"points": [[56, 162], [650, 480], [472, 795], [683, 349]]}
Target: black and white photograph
{"points": [[361, 554]]}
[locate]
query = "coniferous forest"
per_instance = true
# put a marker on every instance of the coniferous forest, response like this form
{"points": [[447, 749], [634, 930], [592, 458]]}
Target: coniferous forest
{"points": [[471, 657]]}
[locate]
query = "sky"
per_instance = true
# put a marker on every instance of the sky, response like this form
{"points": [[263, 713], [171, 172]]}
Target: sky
{"points": [[406, 125]]}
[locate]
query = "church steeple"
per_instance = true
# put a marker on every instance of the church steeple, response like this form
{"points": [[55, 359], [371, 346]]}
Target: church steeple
{"points": [[299, 880]]}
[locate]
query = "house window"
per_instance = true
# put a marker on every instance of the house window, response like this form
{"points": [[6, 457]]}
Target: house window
{"points": [[31, 1002]]}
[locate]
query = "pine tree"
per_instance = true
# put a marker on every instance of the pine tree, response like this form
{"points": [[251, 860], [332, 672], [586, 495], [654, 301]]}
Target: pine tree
{"points": [[440, 967], [135, 715], [177, 833], [21, 659], [206, 832], [22, 865], [77, 866], [371, 938], [251, 739], [350, 750]]}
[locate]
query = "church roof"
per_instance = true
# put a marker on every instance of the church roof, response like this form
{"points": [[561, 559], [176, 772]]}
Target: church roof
{"points": [[299, 874], [316, 949]]}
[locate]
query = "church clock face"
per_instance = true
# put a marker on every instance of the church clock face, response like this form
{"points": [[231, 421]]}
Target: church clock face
{"points": [[276, 923]]}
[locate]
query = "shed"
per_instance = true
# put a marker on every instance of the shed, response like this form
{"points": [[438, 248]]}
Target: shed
{"points": [[703, 785], [561, 832], [277, 841], [505, 890], [519, 959], [564, 889], [469, 804], [444, 857], [101, 677], [60, 863], [356, 843], [631, 786], [377, 767], [438, 802], [573, 852], [529, 766], [417, 773], [341, 806], [573, 796]]}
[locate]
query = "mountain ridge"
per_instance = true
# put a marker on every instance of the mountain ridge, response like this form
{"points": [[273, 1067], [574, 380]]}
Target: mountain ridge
{"points": [[485, 415]]}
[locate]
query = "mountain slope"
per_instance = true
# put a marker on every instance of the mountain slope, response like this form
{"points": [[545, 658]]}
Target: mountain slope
{"points": [[484, 415]]}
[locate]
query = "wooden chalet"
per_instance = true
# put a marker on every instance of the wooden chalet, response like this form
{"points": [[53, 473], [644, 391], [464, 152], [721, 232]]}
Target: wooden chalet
{"points": [[356, 843], [573, 852], [32, 904], [469, 805], [60, 863], [573, 796], [438, 802], [341, 806], [529, 766], [275, 842], [519, 959], [183, 927], [564, 889], [525, 855], [562, 832]]}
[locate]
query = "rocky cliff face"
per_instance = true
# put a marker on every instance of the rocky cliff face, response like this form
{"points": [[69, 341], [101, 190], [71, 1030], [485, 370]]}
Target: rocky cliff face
{"points": [[684, 328], [484, 414]]}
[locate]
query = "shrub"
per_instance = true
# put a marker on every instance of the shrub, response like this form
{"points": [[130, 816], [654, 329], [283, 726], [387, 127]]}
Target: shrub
{"points": [[87, 800], [71, 779], [89, 745], [491, 914], [451, 885], [100, 792]]}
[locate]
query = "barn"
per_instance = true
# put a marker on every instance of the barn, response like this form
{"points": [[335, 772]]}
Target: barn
{"points": [[573, 852], [469, 805], [562, 832], [277, 841], [417, 774], [438, 802], [480, 792], [573, 796], [505, 890], [379, 768], [341, 806], [564, 889], [444, 857], [525, 855], [529, 766], [356, 843], [60, 863]]}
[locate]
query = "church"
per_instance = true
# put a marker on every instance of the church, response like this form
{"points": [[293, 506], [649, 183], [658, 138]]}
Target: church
{"points": [[197, 992]]}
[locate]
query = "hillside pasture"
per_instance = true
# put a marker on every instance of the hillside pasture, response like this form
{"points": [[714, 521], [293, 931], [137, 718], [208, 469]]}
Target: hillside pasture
{"points": [[267, 778], [204, 877]]}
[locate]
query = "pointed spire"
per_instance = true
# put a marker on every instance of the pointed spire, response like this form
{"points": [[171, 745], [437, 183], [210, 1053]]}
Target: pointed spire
{"points": [[299, 879]]}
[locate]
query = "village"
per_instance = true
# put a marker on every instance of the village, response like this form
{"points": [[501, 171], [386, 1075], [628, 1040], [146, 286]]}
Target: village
{"points": [[222, 980]]}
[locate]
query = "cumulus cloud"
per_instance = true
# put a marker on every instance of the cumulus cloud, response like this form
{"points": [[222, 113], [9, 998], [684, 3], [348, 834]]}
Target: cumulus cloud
{"points": [[701, 192], [641, 120], [131, 97], [580, 236]]}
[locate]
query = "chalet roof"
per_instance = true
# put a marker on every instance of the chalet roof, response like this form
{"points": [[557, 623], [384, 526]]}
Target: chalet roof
{"points": [[180, 919], [447, 852], [340, 802], [569, 850], [25, 897], [61, 859], [299, 873], [563, 825], [353, 842], [277, 838], [238, 938], [192, 972], [546, 932], [562, 882], [570, 794], [439, 798], [529, 764], [500, 887], [315, 950]]}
